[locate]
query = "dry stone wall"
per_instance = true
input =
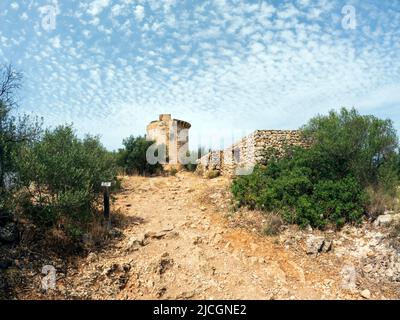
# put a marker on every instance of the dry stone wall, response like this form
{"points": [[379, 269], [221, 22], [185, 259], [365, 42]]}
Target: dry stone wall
{"points": [[251, 150]]}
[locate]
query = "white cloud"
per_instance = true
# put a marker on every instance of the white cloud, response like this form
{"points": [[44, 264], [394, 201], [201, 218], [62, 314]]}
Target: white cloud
{"points": [[139, 13], [257, 47], [24, 16], [55, 42], [224, 64], [97, 6], [14, 6], [116, 10]]}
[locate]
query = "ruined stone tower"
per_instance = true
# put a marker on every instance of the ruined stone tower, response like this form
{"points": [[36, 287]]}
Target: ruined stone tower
{"points": [[173, 133]]}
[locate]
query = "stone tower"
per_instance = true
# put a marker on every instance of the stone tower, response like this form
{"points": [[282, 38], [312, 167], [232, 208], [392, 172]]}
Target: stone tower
{"points": [[173, 133]]}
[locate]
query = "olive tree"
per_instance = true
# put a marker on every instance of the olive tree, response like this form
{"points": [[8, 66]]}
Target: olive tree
{"points": [[14, 131]]}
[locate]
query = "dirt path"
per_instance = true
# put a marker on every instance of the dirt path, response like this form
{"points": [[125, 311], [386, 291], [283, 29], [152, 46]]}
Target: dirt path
{"points": [[178, 245], [176, 238]]}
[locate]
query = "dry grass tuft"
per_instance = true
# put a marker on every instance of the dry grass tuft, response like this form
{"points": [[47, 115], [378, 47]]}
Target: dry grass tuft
{"points": [[211, 174], [379, 202], [394, 236], [272, 225]]}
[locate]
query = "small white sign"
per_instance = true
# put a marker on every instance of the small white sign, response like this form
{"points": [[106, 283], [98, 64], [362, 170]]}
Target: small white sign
{"points": [[106, 184]]}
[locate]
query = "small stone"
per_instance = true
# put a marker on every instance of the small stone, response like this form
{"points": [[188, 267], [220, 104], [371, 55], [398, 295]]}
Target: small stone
{"points": [[368, 268], [161, 291], [314, 244], [92, 257], [228, 245], [126, 267], [111, 269], [253, 247], [197, 240], [163, 264], [217, 239], [136, 241], [383, 220], [366, 294], [389, 273], [115, 233], [172, 235], [155, 235], [327, 246], [186, 295]]}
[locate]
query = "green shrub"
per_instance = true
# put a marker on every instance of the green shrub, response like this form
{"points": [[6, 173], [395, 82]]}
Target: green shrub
{"points": [[63, 175], [15, 132], [352, 144], [326, 183], [299, 200], [331, 202], [191, 167], [133, 157], [6, 208]]}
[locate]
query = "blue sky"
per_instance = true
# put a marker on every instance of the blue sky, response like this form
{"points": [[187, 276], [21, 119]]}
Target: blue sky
{"points": [[226, 66]]}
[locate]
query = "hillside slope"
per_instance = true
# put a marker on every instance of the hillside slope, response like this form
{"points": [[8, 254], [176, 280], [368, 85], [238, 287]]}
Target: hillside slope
{"points": [[181, 241]]}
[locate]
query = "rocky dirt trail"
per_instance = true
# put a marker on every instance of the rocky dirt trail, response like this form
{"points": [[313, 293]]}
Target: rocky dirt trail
{"points": [[190, 252], [179, 242]]}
